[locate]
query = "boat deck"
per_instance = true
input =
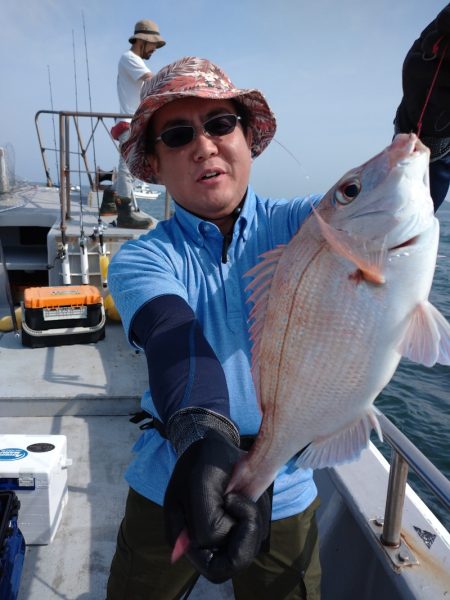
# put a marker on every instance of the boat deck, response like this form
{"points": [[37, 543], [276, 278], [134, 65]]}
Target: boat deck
{"points": [[85, 392], [75, 565], [105, 378]]}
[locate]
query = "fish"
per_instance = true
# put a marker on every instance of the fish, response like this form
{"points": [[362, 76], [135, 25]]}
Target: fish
{"points": [[335, 310]]}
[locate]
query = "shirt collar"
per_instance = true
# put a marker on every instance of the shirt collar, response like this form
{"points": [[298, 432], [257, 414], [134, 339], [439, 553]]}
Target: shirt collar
{"points": [[194, 227]]}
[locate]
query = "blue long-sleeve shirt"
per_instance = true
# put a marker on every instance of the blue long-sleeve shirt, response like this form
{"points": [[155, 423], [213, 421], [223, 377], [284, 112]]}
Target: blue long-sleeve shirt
{"points": [[183, 256]]}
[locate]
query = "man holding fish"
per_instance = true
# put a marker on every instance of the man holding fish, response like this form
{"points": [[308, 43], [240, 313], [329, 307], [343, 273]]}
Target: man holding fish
{"points": [[180, 291], [269, 328]]}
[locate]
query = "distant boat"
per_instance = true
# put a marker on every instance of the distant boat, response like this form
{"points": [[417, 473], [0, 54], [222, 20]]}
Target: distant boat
{"points": [[74, 188], [143, 191]]}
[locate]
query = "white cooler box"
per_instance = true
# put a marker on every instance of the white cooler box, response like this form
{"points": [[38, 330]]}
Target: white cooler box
{"points": [[35, 467]]}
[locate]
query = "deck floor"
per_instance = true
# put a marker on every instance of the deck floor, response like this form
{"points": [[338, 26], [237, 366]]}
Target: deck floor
{"points": [[107, 377], [75, 565], [85, 392]]}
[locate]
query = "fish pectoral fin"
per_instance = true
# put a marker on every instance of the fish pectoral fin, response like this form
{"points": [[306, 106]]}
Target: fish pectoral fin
{"points": [[343, 446], [370, 264], [427, 337]]}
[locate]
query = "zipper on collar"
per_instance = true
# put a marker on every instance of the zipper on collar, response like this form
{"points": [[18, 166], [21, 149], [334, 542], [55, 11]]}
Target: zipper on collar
{"points": [[225, 245]]}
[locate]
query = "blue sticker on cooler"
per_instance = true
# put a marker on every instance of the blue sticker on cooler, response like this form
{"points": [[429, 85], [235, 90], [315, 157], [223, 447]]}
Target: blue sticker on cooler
{"points": [[12, 453]]}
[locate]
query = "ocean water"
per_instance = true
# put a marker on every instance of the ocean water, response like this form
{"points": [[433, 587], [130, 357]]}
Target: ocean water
{"points": [[417, 399]]}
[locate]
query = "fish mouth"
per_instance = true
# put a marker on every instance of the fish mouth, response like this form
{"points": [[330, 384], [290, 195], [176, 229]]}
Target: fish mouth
{"points": [[409, 242]]}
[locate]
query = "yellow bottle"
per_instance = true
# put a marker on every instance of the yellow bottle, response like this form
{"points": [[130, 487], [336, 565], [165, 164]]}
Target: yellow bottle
{"points": [[6, 322]]}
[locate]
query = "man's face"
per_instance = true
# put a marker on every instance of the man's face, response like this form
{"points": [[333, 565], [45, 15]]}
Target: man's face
{"points": [[209, 175], [147, 49]]}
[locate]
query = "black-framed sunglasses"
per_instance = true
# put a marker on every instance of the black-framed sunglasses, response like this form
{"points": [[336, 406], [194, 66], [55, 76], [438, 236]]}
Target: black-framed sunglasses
{"points": [[180, 135]]}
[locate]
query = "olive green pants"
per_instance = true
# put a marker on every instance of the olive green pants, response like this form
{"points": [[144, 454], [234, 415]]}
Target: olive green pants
{"points": [[141, 568]]}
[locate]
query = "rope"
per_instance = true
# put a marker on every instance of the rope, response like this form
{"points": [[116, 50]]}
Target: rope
{"points": [[427, 99], [191, 587]]}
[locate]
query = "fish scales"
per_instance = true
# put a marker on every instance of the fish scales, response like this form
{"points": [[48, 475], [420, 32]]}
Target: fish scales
{"points": [[297, 343], [348, 296]]}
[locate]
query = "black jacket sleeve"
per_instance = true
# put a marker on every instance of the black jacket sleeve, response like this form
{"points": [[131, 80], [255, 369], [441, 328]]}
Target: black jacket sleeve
{"points": [[183, 369], [421, 64]]}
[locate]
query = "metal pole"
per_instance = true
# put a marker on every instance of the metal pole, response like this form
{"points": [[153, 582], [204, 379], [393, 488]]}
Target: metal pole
{"points": [[46, 169], [395, 499], [167, 206], [67, 165], [62, 174]]}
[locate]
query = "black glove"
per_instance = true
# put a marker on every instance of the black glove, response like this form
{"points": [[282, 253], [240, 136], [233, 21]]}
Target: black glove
{"points": [[225, 531]]}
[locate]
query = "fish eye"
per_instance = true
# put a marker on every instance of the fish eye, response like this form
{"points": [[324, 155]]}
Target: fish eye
{"points": [[348, 191]]}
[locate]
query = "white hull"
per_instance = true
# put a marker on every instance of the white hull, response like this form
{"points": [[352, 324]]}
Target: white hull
{"points": [[146, 195], [143, 191]]}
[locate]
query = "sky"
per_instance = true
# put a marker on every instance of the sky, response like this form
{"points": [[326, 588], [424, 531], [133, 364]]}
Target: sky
{"points": [[331, 72]]}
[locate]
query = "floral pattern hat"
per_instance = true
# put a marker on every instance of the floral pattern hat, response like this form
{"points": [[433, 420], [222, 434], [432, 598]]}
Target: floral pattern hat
{"points": [[187, 77]]}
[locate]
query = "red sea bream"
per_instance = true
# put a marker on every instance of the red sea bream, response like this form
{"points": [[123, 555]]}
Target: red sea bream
{"points": [[336, 309]]}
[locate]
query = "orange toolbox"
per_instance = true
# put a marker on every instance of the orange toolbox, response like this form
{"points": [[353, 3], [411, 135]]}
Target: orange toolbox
{"points": [[62, 315]]}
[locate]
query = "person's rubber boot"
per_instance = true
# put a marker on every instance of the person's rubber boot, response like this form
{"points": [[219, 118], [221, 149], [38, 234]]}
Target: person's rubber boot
{"points": [[108, 205], [130, 219]]}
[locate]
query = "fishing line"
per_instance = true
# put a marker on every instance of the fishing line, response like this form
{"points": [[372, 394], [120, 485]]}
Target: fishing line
{"points": [[84, 259], [90, 108], [53, 121], [436, 73], [103, 260], [289, 152], [292, 155]]}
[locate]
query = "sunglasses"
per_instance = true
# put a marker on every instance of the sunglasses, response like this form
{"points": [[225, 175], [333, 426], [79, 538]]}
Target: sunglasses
{"points": [[178, 136]]}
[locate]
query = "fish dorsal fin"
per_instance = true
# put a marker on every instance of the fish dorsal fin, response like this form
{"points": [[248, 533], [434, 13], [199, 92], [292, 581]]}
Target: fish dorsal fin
{"points": [[370, 264], [262, 274], [427, 338], [341, 447]]}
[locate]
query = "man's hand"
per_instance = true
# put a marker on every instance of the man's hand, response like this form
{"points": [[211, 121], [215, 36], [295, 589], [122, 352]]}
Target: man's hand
{"points": [[225, 532]]}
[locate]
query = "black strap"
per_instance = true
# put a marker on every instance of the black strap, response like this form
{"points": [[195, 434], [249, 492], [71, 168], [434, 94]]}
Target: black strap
{"points": [[246, 441], [146, 31], [151, 422]]}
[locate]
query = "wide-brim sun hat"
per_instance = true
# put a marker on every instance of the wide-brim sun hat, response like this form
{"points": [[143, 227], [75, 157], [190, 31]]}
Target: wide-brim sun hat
{"points": [[148, 31], [193, 77]]}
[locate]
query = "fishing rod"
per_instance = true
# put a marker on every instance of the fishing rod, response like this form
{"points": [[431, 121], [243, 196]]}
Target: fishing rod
{"points": [[63, 250], [84, 258], [103, 259], [53, 122]]}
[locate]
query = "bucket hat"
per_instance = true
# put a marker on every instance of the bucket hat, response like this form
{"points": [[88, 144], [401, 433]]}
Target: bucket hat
{"points": [[149, 31], [193, 77]]}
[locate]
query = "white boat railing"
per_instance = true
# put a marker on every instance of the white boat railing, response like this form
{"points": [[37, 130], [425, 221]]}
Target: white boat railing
{"points": [[406, 455], [95, 127]]}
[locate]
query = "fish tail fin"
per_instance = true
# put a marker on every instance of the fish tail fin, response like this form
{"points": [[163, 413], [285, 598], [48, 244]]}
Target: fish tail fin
{"points": [[181, 546], [427, 338], [343, 446]]}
